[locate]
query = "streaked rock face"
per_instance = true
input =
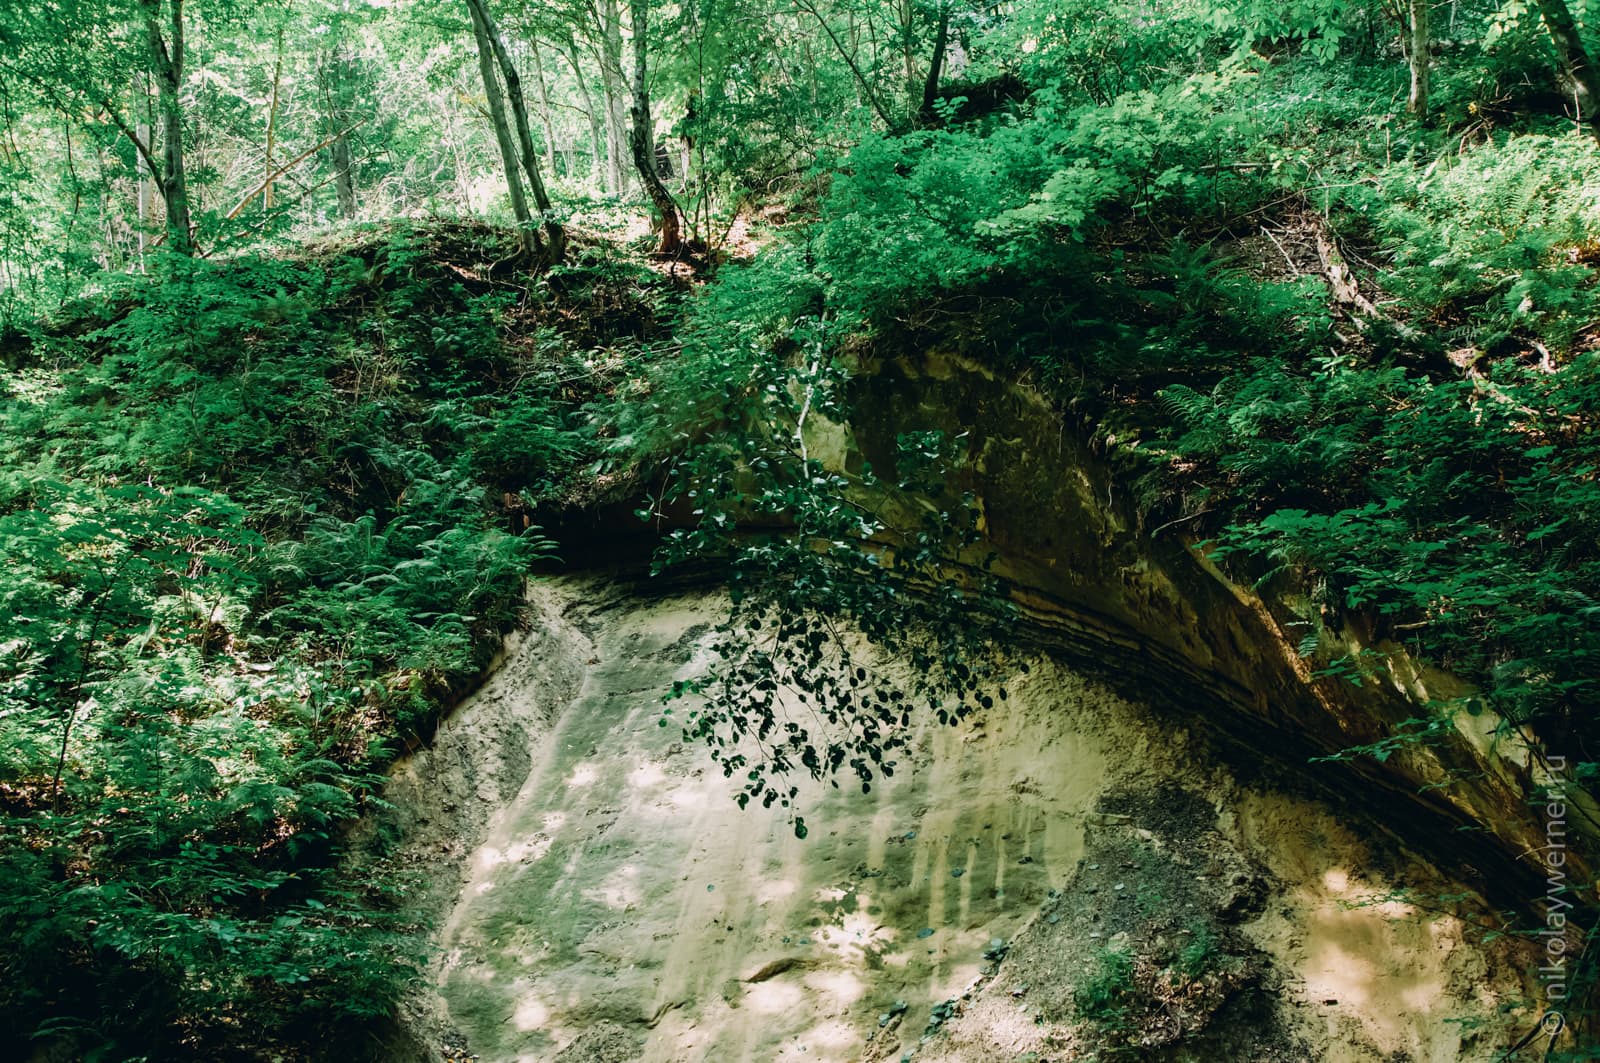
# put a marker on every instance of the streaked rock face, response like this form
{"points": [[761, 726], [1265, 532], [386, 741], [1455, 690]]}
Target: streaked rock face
{"points": [[602, 898]]}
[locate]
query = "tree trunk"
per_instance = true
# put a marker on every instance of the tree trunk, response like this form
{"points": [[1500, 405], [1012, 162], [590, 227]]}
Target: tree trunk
{"points": [[861, 78], [547, 117], [334, 73], [166, 62], [1576, 68], [554, 234], [611, 80], [930, 86], [502, 131], [146, 194], [344, 185], [597, 159], [272, 125], [1421, 53], [615, 175], [643, 134], [908, 49]]}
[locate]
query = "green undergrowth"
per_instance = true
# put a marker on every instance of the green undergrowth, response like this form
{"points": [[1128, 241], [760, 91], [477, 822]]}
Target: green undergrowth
{"points": [[262, 519], [1433, 466], [832, 572], [1150, 261]]}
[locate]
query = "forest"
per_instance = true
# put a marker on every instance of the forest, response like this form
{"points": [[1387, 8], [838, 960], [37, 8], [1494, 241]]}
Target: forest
{"points": [[326, 325]]}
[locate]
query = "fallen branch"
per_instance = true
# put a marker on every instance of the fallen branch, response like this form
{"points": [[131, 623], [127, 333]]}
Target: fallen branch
{"points": [[286, 167], [277, 212], [1341, 281], [1275, 243]]}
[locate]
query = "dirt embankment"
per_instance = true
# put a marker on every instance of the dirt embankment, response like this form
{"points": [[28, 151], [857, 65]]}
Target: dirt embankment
{"points": [[603, 899]]}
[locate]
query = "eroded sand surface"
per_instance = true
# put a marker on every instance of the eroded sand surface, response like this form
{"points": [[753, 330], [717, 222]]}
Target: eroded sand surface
{"points": [[621, 906]]}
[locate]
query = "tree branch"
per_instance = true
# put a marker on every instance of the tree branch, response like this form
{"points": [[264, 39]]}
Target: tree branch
{"points": [[286, 167]]}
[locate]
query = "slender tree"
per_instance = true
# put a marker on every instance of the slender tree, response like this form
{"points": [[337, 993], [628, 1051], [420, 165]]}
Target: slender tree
{"points": [[1577, 69], [546, 115], [336, 82], [862, 81], [941, 39], [643, 134], [165, 58], [607, 21], [1420, 50], [496, 104], [590, 112], [554, 234], [272, 121]]}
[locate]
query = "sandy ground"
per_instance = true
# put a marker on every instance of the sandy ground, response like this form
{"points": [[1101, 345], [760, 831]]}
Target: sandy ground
{"points": [[606, 900]]}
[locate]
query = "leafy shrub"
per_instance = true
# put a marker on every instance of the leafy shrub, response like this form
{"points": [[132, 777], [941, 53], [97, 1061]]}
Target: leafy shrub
{"points": [[414, 597], [939, 209], [812, 550], [251, 550], [1103, 997], [1464, 513], [522, 443], [156, 822], [1201, 955], [1497, 241]]}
